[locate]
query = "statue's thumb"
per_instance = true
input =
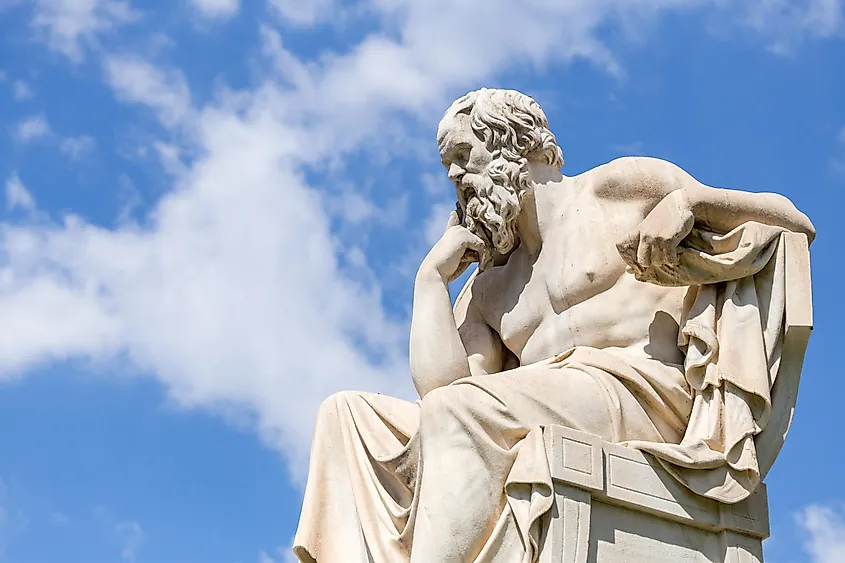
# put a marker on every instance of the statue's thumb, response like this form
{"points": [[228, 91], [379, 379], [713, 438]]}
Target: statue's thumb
{"points": [[453, 220]]}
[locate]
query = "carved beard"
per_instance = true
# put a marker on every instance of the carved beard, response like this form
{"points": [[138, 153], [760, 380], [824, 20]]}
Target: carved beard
{"points": [[493, 201]]}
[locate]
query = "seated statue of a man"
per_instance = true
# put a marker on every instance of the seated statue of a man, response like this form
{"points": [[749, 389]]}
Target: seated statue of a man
{"points": [[559, 325]]}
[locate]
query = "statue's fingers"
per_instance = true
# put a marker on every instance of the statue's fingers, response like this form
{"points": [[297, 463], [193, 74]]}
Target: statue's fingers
{"points": [[475, 242], [644, 249], [627, 247], [480, 248], [454, 220], [477, 245], [673, 255], [659, 255]]}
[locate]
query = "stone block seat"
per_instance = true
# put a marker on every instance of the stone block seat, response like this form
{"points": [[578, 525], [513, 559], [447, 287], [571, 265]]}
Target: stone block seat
{"points": [[614, 503]]}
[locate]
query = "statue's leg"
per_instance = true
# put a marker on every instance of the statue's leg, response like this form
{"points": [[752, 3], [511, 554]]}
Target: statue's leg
{"points": [[470, 434], [358, 497]]}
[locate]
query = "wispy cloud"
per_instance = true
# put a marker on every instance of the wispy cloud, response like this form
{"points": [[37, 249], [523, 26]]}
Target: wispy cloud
{"points": [[824, 528], [135, 80], [305, 12], [68, 26], [77, 147], [217, 9], [21, 90], [787, 23], [17, 196], [131, 536], [36, 127], [32, 128], [285, 555]]}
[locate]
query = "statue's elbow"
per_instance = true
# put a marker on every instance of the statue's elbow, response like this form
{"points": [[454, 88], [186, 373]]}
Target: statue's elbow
{"points": [[793, 218], [802, 222], [809, 229]]}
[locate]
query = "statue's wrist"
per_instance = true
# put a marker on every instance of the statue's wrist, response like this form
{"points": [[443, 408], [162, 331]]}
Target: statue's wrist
{"points": [[429, 274]]}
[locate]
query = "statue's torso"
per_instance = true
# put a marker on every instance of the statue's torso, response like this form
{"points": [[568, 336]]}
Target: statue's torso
{"points": [[575, 291]]}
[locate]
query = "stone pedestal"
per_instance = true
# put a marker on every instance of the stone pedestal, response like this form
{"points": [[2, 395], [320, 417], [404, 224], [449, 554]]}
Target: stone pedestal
{"points": [[615, 504]]}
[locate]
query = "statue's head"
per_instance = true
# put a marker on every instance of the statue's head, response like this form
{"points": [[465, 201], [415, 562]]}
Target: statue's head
{"points": [[487, 139]]}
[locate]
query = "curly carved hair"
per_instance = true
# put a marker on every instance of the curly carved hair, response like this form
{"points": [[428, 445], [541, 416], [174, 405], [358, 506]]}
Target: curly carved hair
{"points": [[512, 125]]}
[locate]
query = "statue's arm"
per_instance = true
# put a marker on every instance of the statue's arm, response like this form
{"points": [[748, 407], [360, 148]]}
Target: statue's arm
{"points": [[440, 352], [723, 210], [652, 180], [446, 344], [672, 202]]}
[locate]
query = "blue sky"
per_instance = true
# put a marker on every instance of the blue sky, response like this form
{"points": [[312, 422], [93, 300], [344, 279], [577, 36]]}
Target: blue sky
{"points": [[214, 210]]}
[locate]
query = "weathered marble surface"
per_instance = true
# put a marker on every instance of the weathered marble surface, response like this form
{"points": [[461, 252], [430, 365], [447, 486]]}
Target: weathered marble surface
{"points": [[631, 303]]}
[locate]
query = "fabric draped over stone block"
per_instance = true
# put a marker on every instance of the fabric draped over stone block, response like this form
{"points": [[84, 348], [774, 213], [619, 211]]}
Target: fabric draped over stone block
{"points": [[733, 329]]}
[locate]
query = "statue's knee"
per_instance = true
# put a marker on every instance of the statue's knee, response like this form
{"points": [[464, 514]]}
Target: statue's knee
{"points": [[330, 409], [449, 403], [435, 403]]}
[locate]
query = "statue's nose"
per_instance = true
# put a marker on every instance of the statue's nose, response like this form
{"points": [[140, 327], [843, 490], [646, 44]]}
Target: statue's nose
{"points": [[455, 172]]}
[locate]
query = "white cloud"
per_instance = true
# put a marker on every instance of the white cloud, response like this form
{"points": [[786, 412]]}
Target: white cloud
{"points": [[69, 25], [230, 291], [32, 128], [77, 147], [17, 196], [285, 556], [164, 90], [131, 536], [788, 22], [21, 90], [437, 220], [232, 296], [35, 127], [305, 12], [170, 158], [217, 9], [825, 533]]}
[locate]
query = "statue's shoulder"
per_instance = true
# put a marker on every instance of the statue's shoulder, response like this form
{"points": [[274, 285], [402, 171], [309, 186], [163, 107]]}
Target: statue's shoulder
{"points": [[632, 177]]}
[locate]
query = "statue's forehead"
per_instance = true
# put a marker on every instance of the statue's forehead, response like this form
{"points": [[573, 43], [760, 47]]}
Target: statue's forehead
{"points": [[454, 129]]}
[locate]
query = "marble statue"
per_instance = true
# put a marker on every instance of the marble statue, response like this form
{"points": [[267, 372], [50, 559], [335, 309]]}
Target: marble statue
{"points": [[631, 303]]}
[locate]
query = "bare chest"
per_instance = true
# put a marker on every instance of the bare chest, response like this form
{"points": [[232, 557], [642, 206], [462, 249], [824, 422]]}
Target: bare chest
{"points": [[575, 291]]}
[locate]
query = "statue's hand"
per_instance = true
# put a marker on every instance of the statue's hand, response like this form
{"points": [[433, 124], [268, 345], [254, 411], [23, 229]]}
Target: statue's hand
{"points": [[454, 252], [655, 241]]}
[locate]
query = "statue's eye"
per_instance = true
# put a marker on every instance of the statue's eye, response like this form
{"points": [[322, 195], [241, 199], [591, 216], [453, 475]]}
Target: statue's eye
{"points": [[457, 154]]}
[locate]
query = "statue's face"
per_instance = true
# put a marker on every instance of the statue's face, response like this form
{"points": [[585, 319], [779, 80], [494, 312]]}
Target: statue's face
{"points": [[489, 189], [464, 156]]}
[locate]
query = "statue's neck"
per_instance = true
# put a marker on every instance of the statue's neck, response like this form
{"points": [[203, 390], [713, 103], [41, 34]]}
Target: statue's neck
{"points": [[538, 205]]}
